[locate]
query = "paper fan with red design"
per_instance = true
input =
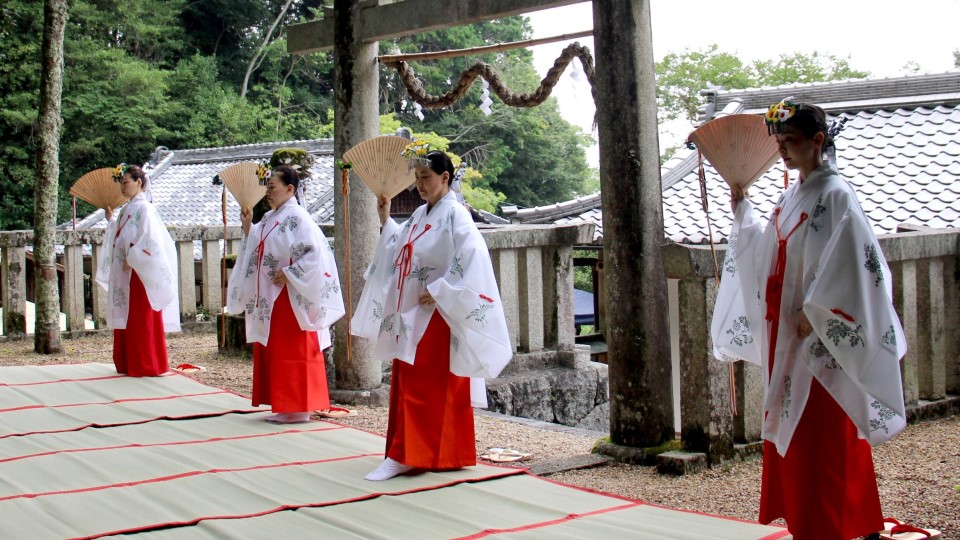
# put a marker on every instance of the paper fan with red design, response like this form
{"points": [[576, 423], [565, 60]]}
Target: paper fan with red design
{"points": [[244, 184], [378, 163], [98, 188], [738, 146]]}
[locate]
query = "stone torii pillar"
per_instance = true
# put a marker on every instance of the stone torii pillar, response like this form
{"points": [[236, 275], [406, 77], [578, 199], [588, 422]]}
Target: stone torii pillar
{"points": [[356, 119], [637, 327]]}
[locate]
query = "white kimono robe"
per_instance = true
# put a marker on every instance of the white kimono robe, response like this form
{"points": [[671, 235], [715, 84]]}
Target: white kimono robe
{"points": [[837, 276], [441, 252], [136, 235], [286, 240]]}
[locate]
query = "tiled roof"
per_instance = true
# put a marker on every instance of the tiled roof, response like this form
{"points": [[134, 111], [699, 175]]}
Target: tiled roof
{"points": [[850, 95], [181, 183], [904, 163]]}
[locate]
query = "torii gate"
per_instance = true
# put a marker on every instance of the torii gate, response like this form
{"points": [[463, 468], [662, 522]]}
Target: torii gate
{"points": [[641, 403]]}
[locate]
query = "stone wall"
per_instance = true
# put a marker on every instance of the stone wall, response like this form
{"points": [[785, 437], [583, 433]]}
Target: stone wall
{"points": [[565, 389]]}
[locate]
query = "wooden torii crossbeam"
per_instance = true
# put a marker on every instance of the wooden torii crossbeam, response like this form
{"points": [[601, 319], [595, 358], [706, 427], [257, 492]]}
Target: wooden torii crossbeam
{"points": [[381, 19]]}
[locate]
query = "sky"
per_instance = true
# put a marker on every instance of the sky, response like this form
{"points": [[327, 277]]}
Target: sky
{"points": [[878, 36]]}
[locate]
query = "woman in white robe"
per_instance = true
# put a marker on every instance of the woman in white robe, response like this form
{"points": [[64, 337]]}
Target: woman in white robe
{"points": [[137, 267], [432, 305], [285, 283], [809, 298]]}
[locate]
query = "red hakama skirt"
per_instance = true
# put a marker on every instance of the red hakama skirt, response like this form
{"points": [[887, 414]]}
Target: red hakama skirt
{"points": [[289, 373], [431, 419], [825, 487], [140, 350]]}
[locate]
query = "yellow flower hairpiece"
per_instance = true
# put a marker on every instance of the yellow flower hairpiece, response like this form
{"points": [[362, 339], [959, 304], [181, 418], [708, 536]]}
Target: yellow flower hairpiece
{"points": [[417, 149], [263, 173], [119, 171], [778, 113], [417, 152]]}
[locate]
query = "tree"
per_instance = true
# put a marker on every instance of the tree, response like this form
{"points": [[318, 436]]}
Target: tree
{"points": [[804, 68], [146, 73], [956, 58], [259, 54], [911, 67], [530, 156], [47, 333], [681, 76]]}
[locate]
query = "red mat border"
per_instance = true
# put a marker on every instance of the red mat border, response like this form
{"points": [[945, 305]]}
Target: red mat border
{"points": [[251, 410], [508, 471], [549, 523], [125, 400], [772, 536], [178, 476], [80, 379], [138, 422], [370, 496], [173, 443]]}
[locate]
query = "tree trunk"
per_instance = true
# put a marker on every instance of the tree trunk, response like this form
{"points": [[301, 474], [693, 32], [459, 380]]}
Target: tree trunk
{"points": [[356, 119], [641, 397], [47, 336], [258, 56]]}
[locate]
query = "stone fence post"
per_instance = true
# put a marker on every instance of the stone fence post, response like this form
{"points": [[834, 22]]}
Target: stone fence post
{"points": [[927, 298], [707, 423], [13, 281], [534, 269], [926, 284], [533, 266]]}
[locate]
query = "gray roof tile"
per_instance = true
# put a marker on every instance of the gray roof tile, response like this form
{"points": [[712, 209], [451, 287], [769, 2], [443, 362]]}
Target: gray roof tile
{"points": [[183, 193], [904, 162]]}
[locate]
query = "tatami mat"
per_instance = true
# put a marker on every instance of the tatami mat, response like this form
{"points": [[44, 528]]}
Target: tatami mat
{"points": [[175, 459]]}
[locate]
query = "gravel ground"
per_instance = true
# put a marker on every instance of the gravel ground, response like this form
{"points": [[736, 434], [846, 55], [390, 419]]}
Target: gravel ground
{"points": [[917, 471]]}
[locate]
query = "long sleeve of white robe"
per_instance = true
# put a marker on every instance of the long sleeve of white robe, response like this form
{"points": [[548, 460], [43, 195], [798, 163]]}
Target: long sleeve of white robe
{"points": [[737, 314], [837, 277], [293, 244], [138, 237], [450, 261]]}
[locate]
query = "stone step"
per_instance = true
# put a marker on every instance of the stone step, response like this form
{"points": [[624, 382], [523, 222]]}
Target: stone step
{"points": [[681, 463], [572, 463]]}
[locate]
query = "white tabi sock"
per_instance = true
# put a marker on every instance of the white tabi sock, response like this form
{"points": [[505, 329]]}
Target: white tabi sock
{"points": [[387, 470], [289, 418]]}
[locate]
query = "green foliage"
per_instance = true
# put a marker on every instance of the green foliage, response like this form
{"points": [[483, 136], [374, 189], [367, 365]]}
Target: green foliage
{"points": [[583, 275], [681, 76], [804, 68], [146, 73], [956, 58], [475, 188], [529, 156], [389, 123], [479, 197]]}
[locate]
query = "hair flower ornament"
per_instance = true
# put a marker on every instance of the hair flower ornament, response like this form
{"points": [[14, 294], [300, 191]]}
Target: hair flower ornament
{"points": [[263, 172], [119, 171], [417, 152], [779, 113]]}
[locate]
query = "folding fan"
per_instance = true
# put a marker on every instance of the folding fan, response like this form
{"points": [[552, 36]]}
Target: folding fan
{"points": [[381, 167], [741, 150], [242, 181], [738, 146], [98, 188]]}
